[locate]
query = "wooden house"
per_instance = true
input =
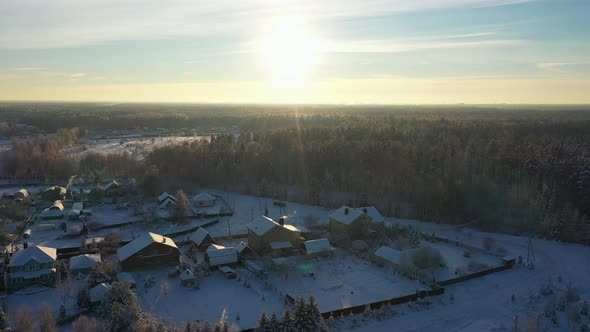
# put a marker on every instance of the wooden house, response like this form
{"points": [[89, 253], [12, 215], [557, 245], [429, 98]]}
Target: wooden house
{"points": [[148, 251]]}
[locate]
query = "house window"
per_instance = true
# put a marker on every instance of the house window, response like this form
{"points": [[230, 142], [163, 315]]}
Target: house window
{"points": [[155, 252]]}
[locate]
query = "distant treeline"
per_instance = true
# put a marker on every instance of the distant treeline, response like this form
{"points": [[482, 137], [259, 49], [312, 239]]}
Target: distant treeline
{"points": [[510, 170]]}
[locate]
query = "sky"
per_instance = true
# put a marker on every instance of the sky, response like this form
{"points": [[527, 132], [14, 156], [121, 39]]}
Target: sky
{"points": [[308, 51]]}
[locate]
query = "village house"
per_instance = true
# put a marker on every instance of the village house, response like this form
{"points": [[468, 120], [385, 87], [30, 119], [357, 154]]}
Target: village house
{"points": [[244, 251], [55, 211], [204, 200], [84, 263], [34, 265], [356, 222], [163, 196], [114, 189], [263, 231], [148, 251], [201, 239]]}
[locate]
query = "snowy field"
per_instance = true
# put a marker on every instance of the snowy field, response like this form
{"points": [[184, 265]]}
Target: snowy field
{"points": [[217, 296], [343, 281], [133, 145]]}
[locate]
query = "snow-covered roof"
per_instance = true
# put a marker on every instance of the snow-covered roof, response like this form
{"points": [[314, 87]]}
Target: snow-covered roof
{"points": [[79, 181], [281, 245], [167, 201], [372, 212], [203, 197], [345, 215], [112, 183], [126, 277], [78, 206], [214, 246], [317, 246], [98, 292], [262, 225], [23, 192], [140, 243], [389, 254], [198, 236], [222, 256], [39, 254], [292, 228], [57, 205], [165, 195], [241, 247], [187, 275], [227, 269], [51, 213], [86, 261], [96, 239]]}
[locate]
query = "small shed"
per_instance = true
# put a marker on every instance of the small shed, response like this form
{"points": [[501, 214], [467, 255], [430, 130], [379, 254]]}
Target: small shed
{"points": [[98, 292], [245, 252], [187, 278], [216, 256], [164, 196], [84, 263], [204, 200], [228, 272], [318, 247]]}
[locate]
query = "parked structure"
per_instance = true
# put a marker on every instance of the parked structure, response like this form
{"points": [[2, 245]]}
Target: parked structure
{"points": [[263, 230], [32, 266], [114, 189], [148, 251]]}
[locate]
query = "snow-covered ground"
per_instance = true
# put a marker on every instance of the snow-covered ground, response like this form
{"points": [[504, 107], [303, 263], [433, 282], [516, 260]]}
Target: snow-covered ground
{"points": [[343, 281], [490, 303], [216, 296], [130, 144]]}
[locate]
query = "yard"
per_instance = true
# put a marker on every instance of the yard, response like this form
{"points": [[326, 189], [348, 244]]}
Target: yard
{"points": [[343, 281], [216, 297]]}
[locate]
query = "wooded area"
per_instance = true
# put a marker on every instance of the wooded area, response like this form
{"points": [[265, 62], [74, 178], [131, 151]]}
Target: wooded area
{"points": [[519, 171]]}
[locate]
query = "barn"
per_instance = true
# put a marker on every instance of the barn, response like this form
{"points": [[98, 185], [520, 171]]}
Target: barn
{"points": [[220, 256], [150, 250], [201, 238]]}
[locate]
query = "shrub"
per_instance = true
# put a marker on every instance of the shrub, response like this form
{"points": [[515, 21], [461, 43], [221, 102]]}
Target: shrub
{"points": [[427, 257]]}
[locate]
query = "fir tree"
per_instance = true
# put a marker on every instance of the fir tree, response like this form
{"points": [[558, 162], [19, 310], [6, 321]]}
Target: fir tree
{"points": [[62, 312], [274, 325], [288, 323], [262, 323], [207, 327], [2, 319]]}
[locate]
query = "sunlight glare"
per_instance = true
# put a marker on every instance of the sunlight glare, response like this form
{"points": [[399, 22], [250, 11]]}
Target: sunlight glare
{"points": [[288, 50]]}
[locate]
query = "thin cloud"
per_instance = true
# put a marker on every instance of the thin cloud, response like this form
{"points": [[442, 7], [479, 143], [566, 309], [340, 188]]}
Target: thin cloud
{"points": [[29, 24], [557, 67], [396, 46]]}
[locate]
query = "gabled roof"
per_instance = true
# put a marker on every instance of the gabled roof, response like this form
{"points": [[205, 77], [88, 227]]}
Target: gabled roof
{"points": [[214, 246], [165, 195], [167, 201], [345, 215], [372, 212], [187, 275], [86, 261], [24, 192], [140, 243], [98, 292], [200, 235], [241, 247], [262, 225], [317, 246], [39, 254], [203, 197], [112, 183]]}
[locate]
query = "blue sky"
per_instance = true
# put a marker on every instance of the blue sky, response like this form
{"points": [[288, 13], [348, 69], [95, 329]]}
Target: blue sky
{"points": [[373, 51]]}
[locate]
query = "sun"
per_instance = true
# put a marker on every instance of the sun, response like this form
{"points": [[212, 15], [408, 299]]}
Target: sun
{"points": [[289, 50]]}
